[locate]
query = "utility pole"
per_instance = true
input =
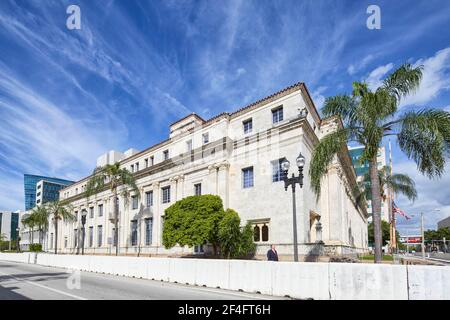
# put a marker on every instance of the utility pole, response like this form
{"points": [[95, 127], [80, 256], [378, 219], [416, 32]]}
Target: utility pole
{"points": [[423, 235]]}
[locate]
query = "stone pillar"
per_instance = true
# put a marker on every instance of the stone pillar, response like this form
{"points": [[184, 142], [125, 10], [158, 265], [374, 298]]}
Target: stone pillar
{"points": [[212, 180], [157, 236], [180, 187], [223, 182]]}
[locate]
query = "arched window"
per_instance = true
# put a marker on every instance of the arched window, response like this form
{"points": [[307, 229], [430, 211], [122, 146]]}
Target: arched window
{"points": [[265, 233], [256, 236]]}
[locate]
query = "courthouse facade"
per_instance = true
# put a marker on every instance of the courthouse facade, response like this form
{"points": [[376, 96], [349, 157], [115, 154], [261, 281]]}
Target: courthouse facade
{"points": [[236, 156]]}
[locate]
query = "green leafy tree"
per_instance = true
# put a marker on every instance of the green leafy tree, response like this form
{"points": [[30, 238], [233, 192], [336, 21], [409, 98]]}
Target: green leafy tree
{"points": [[369, 116], [59, 211], [193, 221], [235, 242], [112, 176], [385, 227], [247, 247], [230, 233]]}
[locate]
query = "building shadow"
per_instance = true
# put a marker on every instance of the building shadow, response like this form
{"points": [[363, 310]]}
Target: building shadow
{"points": [[35, 276], [8, 293]]}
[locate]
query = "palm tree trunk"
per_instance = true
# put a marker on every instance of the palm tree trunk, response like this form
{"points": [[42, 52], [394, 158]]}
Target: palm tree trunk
{"points": [[376, 208], [56, 236]]}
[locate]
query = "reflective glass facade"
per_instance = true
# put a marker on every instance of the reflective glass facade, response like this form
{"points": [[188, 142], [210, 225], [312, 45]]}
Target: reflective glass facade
{"points": [[50, 190]]}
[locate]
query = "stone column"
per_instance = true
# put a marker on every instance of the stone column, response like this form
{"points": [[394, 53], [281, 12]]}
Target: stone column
{"points": [[212, 180], [180, 187], [157, 237], [223, 182]]}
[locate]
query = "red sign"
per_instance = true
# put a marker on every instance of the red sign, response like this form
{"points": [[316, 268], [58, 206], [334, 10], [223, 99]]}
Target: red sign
{"points": [[414, 239]]}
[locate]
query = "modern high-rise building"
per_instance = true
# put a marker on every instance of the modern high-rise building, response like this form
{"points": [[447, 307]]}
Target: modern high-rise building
{"points": [[362, 168], [9, 221], [42, 189]]}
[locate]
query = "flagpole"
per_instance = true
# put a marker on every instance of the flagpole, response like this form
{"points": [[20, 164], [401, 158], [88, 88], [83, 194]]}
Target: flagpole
{"points": [[392, 229]]}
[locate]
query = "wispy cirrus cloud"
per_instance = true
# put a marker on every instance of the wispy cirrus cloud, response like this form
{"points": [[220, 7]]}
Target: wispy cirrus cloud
{"points": [[136, 66]]}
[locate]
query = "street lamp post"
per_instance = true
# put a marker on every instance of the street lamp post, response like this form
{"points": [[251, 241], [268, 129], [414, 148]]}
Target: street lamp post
{"points": [[291, 182], [83, 222], [423, 235]]}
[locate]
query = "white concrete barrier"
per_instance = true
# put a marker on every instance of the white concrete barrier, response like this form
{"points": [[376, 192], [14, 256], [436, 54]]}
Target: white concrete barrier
{"points": [[360, 281], [212, 273], [302, 280], [251, 276], [351, 281], [428, 283], [158, 268], [182, 270]]}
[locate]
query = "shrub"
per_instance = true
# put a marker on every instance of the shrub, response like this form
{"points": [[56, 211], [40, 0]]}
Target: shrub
{"points": [[35, 247], [193, 220], [229, 233]]}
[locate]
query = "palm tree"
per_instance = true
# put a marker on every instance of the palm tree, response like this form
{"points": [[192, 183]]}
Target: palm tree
{"points": [[59, 211], [399, 183], [369, 116], [29, 221], [40, 216], [112, 176]]}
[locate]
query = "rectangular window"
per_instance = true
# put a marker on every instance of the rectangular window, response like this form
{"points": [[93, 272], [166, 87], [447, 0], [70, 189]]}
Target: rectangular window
{"points": [[91, 212], [277, 115], [99, 236], [166, 194], [149, 199], [137, 166], [134, 202], [132, 168], [277, 173], [91, 236], [198, 248], [146, 163], [247, 177], [248, 126], [65, 242], [205, 138], [152, 160], [189, 145], [198, 189], [134, 232], [166, 154], [148, 231], [100, 210]]}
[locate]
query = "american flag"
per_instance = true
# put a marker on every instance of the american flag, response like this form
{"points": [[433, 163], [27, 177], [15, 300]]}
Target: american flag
{"points": [[396, 209]]}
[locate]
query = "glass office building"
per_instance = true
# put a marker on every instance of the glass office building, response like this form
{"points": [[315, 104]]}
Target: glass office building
{"points": [[49, 189]]}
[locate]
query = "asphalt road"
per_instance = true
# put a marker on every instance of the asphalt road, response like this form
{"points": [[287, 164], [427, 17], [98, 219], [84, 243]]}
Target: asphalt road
{"points": [[23, 282]]}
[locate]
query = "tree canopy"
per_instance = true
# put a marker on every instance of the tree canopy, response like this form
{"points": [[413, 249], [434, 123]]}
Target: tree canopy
{"points": [[193, 221], [201, 219]]}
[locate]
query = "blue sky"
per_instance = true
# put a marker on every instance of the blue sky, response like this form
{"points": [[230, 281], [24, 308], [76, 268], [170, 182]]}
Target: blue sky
{"points": [[66, 96]]}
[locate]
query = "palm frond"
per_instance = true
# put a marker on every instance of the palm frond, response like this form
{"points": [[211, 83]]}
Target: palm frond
{"points": [[402, 184], [341, 105], [403, 81], [425, 137], [323, 155]]}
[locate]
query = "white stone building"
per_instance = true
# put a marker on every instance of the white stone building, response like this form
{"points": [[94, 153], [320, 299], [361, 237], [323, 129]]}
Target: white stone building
{"points": [[236, 156]]}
